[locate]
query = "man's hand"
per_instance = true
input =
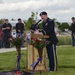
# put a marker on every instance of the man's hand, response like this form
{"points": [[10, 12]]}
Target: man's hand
{"points": [[4, 28], [7, 27], [19, 30], [32, 31], [37, 32]]}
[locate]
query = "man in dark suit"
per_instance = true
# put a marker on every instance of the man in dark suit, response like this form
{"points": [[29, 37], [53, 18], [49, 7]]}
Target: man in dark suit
{"points": [[1, 33], [19, 28], [48, 29], [73, 31], [7, 27]]}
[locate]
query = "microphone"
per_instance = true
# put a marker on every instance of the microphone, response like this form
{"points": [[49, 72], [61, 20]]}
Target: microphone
{"points": [[38, 22]]}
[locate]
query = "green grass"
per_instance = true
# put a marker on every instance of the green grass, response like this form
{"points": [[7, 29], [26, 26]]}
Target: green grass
{"points": [[66, 61]]}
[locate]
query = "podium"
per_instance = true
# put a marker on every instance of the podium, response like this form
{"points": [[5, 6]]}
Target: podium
{"points": [[32, 55]]}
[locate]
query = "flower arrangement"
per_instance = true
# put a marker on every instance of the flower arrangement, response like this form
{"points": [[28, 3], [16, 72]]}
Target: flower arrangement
{"points": [[16, 41], [39, 43]]}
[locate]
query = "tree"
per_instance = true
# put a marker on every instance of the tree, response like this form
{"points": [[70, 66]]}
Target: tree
{"points": [[58, 24], [29, 22], [64, 26], [41, 25], [13, 19], [55, 20], [32, 15]]}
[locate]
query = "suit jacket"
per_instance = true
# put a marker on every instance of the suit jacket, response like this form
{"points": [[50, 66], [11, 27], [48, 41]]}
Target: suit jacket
{"points": [[73, 27], [48, 27], [19, 26]]}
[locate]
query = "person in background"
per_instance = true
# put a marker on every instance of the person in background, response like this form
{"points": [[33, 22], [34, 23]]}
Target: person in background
{"points": [[57, 34], [0, 36], [19, 28], [73, 31], [2, 40], [7, 27], [34, 26], [48, 29]]}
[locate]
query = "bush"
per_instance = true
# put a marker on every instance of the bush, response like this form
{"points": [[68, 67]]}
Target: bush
{"points": [[64, 40], [64, 26]]}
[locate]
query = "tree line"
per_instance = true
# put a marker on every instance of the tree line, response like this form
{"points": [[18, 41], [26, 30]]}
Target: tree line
{"points": [[61, 26]]}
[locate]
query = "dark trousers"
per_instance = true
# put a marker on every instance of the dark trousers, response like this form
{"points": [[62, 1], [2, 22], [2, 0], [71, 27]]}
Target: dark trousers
{"points": [[73, 39], [0, 43], [51, 51], [6, 37]]}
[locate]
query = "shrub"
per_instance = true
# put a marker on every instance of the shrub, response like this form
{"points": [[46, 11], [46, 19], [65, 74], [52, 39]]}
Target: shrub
{"points": [[64, 40], [64, 26]]}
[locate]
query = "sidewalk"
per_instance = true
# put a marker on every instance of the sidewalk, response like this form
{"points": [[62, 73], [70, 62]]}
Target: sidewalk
{"points": [[2, 50]]}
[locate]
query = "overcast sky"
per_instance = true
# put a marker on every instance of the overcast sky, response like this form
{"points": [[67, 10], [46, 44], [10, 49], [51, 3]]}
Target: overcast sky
{"points": [[62, 10]]}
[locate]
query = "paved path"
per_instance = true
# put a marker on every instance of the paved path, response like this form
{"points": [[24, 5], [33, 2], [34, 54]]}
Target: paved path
{"points": [[2, 50]]}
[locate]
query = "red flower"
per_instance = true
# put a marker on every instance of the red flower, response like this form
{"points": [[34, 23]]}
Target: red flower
{"points": [[24, 41], [38, 41], [18, 36], [32, 44], [13, 39], [34, 39]]}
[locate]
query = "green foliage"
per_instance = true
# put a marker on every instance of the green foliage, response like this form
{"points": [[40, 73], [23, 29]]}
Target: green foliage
{"points": [[12, 19], [16, 41], [32, 15], [65, 40], [64, 26], [41, 25], [58, 24], [0, 21], [28, 23]]}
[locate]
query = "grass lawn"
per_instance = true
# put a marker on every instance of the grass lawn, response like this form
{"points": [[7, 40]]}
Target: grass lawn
{"points": [[66, 61]]}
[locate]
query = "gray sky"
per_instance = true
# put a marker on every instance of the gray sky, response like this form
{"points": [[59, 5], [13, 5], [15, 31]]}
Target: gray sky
{"points": [[62, 10]]}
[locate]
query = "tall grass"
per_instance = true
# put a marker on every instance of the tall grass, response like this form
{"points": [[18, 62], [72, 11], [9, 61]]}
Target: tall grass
{"points": [[64, 40]]}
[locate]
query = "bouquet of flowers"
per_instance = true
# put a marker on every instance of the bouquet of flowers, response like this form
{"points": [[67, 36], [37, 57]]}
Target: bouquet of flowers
{"points": [[16, 41], [39, 44]]}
